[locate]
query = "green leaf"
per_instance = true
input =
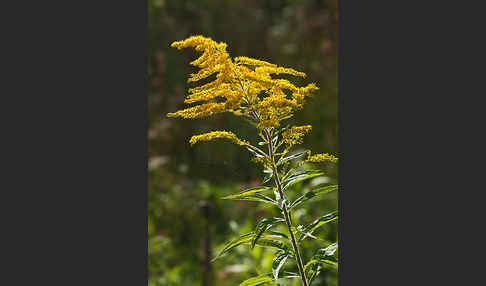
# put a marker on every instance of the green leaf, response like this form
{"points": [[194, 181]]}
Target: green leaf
{"points": [[267, 242], [254, 152], [330, 263], [232, 244], [268, 176], [250, 191], [313, 267], [264, 225], [309, 264], [317, 223], [253, 194], [279, 200], [277, 233], [301, 230], [323, 253], [311, 270], [278, 262], [314, 193], [328, 251], [293, 179], [273, 240], [274, 142], [315, 261], [291, 157], [257, 280], [287, 274]]}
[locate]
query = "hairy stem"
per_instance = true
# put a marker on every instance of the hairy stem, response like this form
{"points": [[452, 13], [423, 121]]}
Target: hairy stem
{"points": [[284, 209]]}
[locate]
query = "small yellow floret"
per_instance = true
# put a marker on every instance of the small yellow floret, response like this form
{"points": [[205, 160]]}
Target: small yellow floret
{"points": [[322, 158], [243, 86], [253, 62], [295, 134], [200, 111]]}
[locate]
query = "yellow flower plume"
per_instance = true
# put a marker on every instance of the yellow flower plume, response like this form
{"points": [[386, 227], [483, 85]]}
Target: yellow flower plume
{"points": [[243, 86], [217, 135]]}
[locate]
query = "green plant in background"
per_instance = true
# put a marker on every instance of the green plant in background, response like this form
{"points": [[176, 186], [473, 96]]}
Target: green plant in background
{"points": [[245, 87]]}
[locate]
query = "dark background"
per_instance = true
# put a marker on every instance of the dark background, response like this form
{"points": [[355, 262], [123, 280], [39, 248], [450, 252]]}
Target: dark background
{"points": [[298, 34]]}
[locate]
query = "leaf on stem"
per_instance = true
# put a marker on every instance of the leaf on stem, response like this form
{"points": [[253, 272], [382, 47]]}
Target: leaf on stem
{"points": [[314, 193], [272, 240], [253, 194], [328, 251], [295, 178], [309, 229], [257, 280], [232, 244], [267, 242], [312, 268], [264, 225], [268, 176], [278, 262], [257, 154], [291, 157]]}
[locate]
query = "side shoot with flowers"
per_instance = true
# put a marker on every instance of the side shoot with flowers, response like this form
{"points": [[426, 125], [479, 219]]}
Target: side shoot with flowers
{"points": [[245, 87]]}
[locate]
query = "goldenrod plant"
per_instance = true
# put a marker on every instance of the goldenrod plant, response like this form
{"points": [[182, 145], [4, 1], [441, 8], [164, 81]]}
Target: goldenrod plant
{"points": [[245, 87]]}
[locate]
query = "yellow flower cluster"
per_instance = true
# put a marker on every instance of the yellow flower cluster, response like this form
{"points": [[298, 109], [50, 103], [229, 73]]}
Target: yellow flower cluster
{"points": [[295, 134], [252, 62], [244, 84], [214, 59], [321, 158], [261, 160], [217, 135], [303, 92]]}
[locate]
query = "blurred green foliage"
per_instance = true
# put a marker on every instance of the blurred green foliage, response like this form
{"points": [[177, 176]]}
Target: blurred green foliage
{"points": [[301, 34]]}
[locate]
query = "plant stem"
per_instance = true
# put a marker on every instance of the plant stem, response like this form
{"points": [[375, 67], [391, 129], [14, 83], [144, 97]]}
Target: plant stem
{"points": [[284, 209]]}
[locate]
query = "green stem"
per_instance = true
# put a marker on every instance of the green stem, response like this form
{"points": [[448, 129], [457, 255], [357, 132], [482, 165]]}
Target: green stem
{"points": [[284, 209]]}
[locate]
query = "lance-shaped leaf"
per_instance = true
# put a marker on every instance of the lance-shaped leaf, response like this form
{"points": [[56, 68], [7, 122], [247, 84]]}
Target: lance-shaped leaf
{"points": [[317, 223], [284, 275], [254, 151], [290, 171], [314, 193], [324, 262], [268, 175], [264, 225], [253, 194], [328, 251], [321, 258], [301, 230], [330, 263], [280, 201], [295, 178], [245, 238], [291, 157], [287, 274], [278, 262], [258, 280], [268, 242], [277, 233], [273, 240], [312, 269], [274, 142]]}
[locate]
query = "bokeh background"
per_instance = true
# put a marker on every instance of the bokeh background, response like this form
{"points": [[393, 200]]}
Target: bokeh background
{"points": [[188, 223]]}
